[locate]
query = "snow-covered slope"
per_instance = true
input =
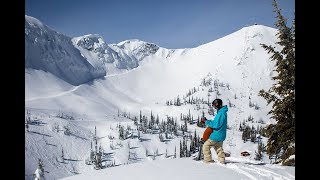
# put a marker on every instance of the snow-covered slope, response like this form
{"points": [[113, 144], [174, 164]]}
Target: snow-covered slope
{"points": [[183, 169], [237, 59], [139, 76]]}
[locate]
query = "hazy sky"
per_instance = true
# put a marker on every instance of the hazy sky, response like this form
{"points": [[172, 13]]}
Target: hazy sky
{"points": [[167, 23]]}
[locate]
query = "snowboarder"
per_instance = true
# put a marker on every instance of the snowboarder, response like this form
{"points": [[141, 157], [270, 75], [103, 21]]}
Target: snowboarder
{"points": [[216, 138]]}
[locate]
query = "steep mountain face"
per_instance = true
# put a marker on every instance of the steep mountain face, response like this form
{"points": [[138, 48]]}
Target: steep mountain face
{"points": [[81, 59], [95, 50], [138, 49], [50, 51], [125, 55]]}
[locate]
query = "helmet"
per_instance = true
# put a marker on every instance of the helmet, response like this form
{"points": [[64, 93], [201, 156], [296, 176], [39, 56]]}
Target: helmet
{"points": [[217, 103]]}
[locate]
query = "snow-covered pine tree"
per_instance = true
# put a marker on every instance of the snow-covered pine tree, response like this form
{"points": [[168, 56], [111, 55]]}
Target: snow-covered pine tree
{"points": [[154, 156], [281, 136], [27, 126], [98, 161], [139, 137], [121, 133], [66, 130], [258, 154], [152, 120], [135, 120], [161, 137], [92, 159], [39, 173], [62, 155], [181, 150], [157, 120]]}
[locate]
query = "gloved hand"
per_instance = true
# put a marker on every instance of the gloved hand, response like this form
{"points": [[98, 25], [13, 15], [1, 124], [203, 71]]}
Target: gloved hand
{"points": [[203, 119]]}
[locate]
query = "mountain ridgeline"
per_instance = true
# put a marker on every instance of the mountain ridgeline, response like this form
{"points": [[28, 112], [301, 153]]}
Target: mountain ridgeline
{"points": [[127, 68], [80, 59]]}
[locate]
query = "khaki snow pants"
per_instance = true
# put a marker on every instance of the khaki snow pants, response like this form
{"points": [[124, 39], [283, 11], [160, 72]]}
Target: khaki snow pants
{"points": [[217, 147]]}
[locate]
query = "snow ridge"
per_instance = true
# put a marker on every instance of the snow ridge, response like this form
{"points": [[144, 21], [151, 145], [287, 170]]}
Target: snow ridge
{"points": [[50, 51]]}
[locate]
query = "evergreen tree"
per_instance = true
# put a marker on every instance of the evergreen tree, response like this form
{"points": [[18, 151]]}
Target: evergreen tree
{"points": [[67, 130], [181, 151], [157, 119], [95, 138], [39, 173], [135, 120], [244, 138], [91, 160], [184, 147], [27, 126], [195, 139], [62, 156], [145, 123], [281, 136], [161, 137], [121, 133], [139, 134], [192, 147], [152, 120], [240, 127], [258, 156], [98, 161]]}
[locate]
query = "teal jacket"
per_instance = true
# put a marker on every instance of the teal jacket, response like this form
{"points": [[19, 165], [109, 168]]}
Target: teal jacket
{"points": [[219, 125]]}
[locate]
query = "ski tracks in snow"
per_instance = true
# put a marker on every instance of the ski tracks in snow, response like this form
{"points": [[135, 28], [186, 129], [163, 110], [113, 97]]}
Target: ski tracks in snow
{"points": [[55, 95], [266, 173], [239, 170], [256, 172]]}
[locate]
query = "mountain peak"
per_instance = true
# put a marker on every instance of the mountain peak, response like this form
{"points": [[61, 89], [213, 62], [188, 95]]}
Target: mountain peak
{"points": [[130, 41], [33, 21], [138, 46], [258, 28], [89, 41]]}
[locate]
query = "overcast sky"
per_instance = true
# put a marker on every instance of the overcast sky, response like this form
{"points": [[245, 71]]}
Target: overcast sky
{"points": [[167, 23]]}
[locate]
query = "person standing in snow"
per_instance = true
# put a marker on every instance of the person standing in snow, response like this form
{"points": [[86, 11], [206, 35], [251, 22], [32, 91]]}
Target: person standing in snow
{"points": [[216, 138]]}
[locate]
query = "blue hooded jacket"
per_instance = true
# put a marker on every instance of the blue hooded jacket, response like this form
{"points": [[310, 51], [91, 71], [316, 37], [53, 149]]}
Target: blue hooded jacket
{"points": [[219, 125]]}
